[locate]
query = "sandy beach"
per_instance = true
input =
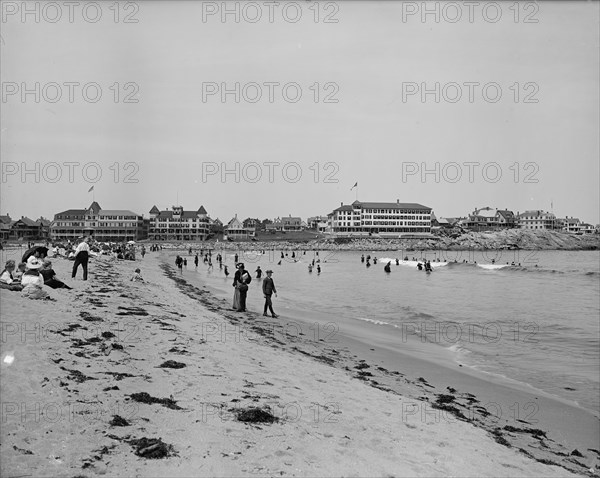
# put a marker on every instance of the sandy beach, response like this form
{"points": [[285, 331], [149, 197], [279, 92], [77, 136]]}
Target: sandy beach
{"points": [[160, 378]]}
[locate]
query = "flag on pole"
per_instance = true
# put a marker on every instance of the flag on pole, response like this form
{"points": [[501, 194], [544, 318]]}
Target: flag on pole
{"points": [[355, 184], [91, 189]]}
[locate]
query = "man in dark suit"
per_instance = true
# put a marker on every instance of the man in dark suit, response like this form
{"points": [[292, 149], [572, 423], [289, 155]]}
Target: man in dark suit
{"points": [[268, 288]]}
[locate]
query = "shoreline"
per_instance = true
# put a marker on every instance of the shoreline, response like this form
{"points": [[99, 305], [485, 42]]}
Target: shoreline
{"points": [[347, 426], [486, 400]]}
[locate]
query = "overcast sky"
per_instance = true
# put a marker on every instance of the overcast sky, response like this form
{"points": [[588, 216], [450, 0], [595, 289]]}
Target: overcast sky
{"points": [[368, 124]]}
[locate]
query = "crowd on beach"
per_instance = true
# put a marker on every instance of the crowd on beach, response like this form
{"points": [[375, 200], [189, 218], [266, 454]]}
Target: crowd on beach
{"points": [[35, 274]]}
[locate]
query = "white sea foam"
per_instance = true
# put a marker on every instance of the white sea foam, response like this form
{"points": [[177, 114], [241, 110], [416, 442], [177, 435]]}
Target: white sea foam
{"points": [[372, 321], [492, 266]]}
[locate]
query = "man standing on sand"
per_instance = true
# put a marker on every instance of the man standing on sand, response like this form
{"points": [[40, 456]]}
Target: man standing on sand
{"points": [[268, 288], [82, 254]]}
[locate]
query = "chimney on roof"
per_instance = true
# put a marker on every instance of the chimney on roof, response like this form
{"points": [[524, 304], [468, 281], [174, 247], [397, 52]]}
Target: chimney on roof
{"points": [[397, 201], [341, 204]]}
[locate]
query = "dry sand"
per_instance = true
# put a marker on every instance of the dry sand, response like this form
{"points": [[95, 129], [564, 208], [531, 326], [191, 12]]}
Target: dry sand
{"points": [[69, 377]]}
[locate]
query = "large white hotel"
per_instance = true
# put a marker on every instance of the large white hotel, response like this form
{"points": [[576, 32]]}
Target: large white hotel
{"points": [[382, 218]]}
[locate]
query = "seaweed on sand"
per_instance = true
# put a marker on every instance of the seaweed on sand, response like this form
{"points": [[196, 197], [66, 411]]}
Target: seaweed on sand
{"points": [[153, 448], [144, 397], [172, 364], [255, 415], [119, 421]]}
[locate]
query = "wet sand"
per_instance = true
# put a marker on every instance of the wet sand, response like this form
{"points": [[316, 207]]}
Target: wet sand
{"points": [[163, 379]]}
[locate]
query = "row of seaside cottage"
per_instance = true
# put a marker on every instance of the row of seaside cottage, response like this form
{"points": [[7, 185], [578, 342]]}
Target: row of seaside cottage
{"points": [[357, 219]]}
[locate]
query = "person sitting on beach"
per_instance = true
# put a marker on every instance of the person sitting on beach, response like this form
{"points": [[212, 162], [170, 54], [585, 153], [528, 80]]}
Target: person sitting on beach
{"points": [[21, 268], [397, 261], [387, 267], [32, 281], [7, 281], [420, 266], [50, 277], [137, 276]]}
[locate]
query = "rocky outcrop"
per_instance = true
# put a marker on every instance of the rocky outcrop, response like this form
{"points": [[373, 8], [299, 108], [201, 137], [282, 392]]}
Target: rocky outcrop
{"points": [[444, 240]]}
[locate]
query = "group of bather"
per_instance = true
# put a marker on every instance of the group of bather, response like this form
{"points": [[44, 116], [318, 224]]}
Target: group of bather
{"points": [[426, 265], [29, 277]]}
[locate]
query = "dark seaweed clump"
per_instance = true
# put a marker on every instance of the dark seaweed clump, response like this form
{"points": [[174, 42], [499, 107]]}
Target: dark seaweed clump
{"points": [[153, 448], [144, 397], [255, 415]]}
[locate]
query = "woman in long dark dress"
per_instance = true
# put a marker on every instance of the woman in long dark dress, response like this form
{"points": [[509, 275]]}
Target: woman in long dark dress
{"points": [[241, 280], [236, 293]]}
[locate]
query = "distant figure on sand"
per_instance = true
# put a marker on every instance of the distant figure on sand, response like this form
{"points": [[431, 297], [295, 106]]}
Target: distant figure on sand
{"points": [[268, 288], [185, 262], [258, 272], [420, 266], [226, 271], [137, 276], [397, 262], [387, 267], [196, 260], [362, 258], [81, 257], [318, 269], [310, 267], [428, 267], [179, 262]]}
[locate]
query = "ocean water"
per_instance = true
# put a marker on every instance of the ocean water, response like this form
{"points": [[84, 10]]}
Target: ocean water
{"points": [[537, 324]]}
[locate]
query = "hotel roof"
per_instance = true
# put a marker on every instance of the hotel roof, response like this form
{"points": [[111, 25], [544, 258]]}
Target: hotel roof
{"points": [[383, 205], [116, 212], [72, 213]]}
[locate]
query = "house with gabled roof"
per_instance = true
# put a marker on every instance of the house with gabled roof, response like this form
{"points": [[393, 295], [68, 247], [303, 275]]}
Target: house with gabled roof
{"points": [[536, 219], [235, 230], [178, 224], [25, 229]]}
